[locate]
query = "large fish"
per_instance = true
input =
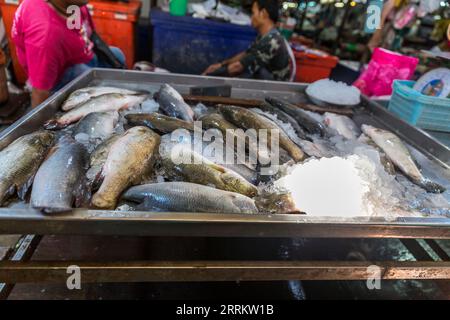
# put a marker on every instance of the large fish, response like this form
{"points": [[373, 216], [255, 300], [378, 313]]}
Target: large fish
{"points": [[217, 151], [172, 103], [398, 153], [60, 183], [385, 161], [238, 136], [284, 117], [103, 103], [97, 125], [158, 122], [312, 125], [19, 162], [250, 120], [342, 125], [189, 197], [129, 160], [97, 161], [181, 162], [81, 96]]}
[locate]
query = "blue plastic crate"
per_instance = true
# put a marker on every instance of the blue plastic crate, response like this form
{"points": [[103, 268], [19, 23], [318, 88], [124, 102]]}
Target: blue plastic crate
{"points": [[425, 112], [190, 45]]}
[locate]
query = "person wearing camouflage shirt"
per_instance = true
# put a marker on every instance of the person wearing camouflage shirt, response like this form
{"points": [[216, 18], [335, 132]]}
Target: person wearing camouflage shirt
{"points": [[268, 57]]}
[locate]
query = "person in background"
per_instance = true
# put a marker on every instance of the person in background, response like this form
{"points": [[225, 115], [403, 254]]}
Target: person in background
{"points": [[268, 57], [52, 51]]}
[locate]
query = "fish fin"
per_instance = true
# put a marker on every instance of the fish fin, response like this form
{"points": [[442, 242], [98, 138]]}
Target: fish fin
{"points": [[217, 167], [23, 189], [431, 186], [54, 125], [82, 193]]}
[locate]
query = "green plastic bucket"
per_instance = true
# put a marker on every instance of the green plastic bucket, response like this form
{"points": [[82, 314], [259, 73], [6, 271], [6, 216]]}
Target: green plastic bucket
{"points": [[178, 7]]}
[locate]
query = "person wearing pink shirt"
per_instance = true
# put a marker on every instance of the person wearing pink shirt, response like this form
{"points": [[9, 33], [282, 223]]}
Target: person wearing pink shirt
{"points": [[52, 50]]}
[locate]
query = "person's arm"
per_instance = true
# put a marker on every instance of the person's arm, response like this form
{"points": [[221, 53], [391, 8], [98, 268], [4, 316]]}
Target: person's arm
{"points": [[226, 62], [38, 96]]}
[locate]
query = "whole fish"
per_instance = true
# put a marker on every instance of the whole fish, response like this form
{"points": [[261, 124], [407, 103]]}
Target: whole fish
{"points": [[385, 161], [400, 156], [181, 162], [60, 182], [103, 103], [189, 197], [304, 119], [238, 136], [284, 117], [97, 125], [342, 125], [81, 96], [158, 122], [19, 162], [129, 160], [98, 159], [172, 103], [220, 153], [250, 120]]}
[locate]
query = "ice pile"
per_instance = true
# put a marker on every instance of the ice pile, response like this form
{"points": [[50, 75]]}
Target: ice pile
{"points": [[327, 187], [334, 92]]}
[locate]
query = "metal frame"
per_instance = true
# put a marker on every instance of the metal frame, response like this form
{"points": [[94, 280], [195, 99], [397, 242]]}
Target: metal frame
{"points": [[92, 222]]}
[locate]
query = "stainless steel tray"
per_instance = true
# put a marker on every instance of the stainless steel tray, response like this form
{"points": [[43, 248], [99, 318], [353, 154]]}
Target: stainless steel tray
{"points": [[433, 156]]}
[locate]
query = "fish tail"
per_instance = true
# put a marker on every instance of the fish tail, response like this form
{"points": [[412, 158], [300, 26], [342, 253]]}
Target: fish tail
{"points": [[53, 125], [432, 187]]}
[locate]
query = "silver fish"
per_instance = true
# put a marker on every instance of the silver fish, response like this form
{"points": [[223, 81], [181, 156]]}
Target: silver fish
{"points": [[81, 96], [284, 117], [97, 161], [308, 122], [59, 182], [172, 103], [19, 162], [397, 152], [103, 103], [189, 197], [342, 125], [97, 125]]}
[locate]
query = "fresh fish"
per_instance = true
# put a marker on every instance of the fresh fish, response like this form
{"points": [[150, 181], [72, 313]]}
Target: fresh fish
{"points": [[160, 123], [284, 117], [400, 156], [60, 182], [276, 203], [81, 96], [181, 162], [250, 120], [97, 125], [19, 162], [189, 197], [129, 160], [103, 103], [172, 103], [385, 161], [98, 159], [229, 130], [342, 125], [304, 119], [220, 153]]}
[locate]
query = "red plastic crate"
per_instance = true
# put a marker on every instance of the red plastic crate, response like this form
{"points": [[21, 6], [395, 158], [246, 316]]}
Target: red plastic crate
{"points": [[311, 67], [115, 22]]}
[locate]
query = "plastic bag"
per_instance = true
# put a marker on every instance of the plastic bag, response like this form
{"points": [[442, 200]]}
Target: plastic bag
{"points": [[385, 67]]}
